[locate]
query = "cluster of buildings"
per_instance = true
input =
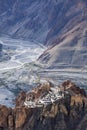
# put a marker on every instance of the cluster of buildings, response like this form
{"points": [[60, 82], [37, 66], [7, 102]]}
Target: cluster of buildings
{"points": [[43, 96]]}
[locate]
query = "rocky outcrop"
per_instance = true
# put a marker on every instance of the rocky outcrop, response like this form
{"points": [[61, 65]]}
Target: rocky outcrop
{"points": [[4, 113], [21, 114], [70, 86], [39, 91], [20, 99], [68, 113]]}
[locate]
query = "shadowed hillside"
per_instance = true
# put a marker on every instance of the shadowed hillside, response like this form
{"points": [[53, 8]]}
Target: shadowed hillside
{"points": [[67, 40]]}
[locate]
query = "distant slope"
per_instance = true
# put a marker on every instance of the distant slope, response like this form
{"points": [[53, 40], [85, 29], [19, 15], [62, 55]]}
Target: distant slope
{"points": [[66, 17], [25, 18], [59, 24], [67, 40], [40, 20]]}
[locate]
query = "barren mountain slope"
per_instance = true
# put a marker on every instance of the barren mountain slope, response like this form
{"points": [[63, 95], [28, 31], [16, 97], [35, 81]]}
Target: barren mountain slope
{"points": [[68, 48]]}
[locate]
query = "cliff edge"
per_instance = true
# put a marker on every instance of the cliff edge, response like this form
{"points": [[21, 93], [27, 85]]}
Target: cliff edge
{"points": [[47, 107]]}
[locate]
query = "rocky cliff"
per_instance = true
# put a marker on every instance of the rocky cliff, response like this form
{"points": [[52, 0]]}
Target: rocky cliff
{"points": [[69, 113]]}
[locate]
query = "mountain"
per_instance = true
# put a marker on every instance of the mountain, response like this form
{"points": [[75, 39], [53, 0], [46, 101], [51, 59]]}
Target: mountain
{"points": [[25, 19], [67, 40], [61, 25]]}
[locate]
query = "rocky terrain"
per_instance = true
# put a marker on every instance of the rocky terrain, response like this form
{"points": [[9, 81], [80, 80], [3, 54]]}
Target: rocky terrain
{"points": [[67, 40], [68, 113], [59, 24], [25, 19]]}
